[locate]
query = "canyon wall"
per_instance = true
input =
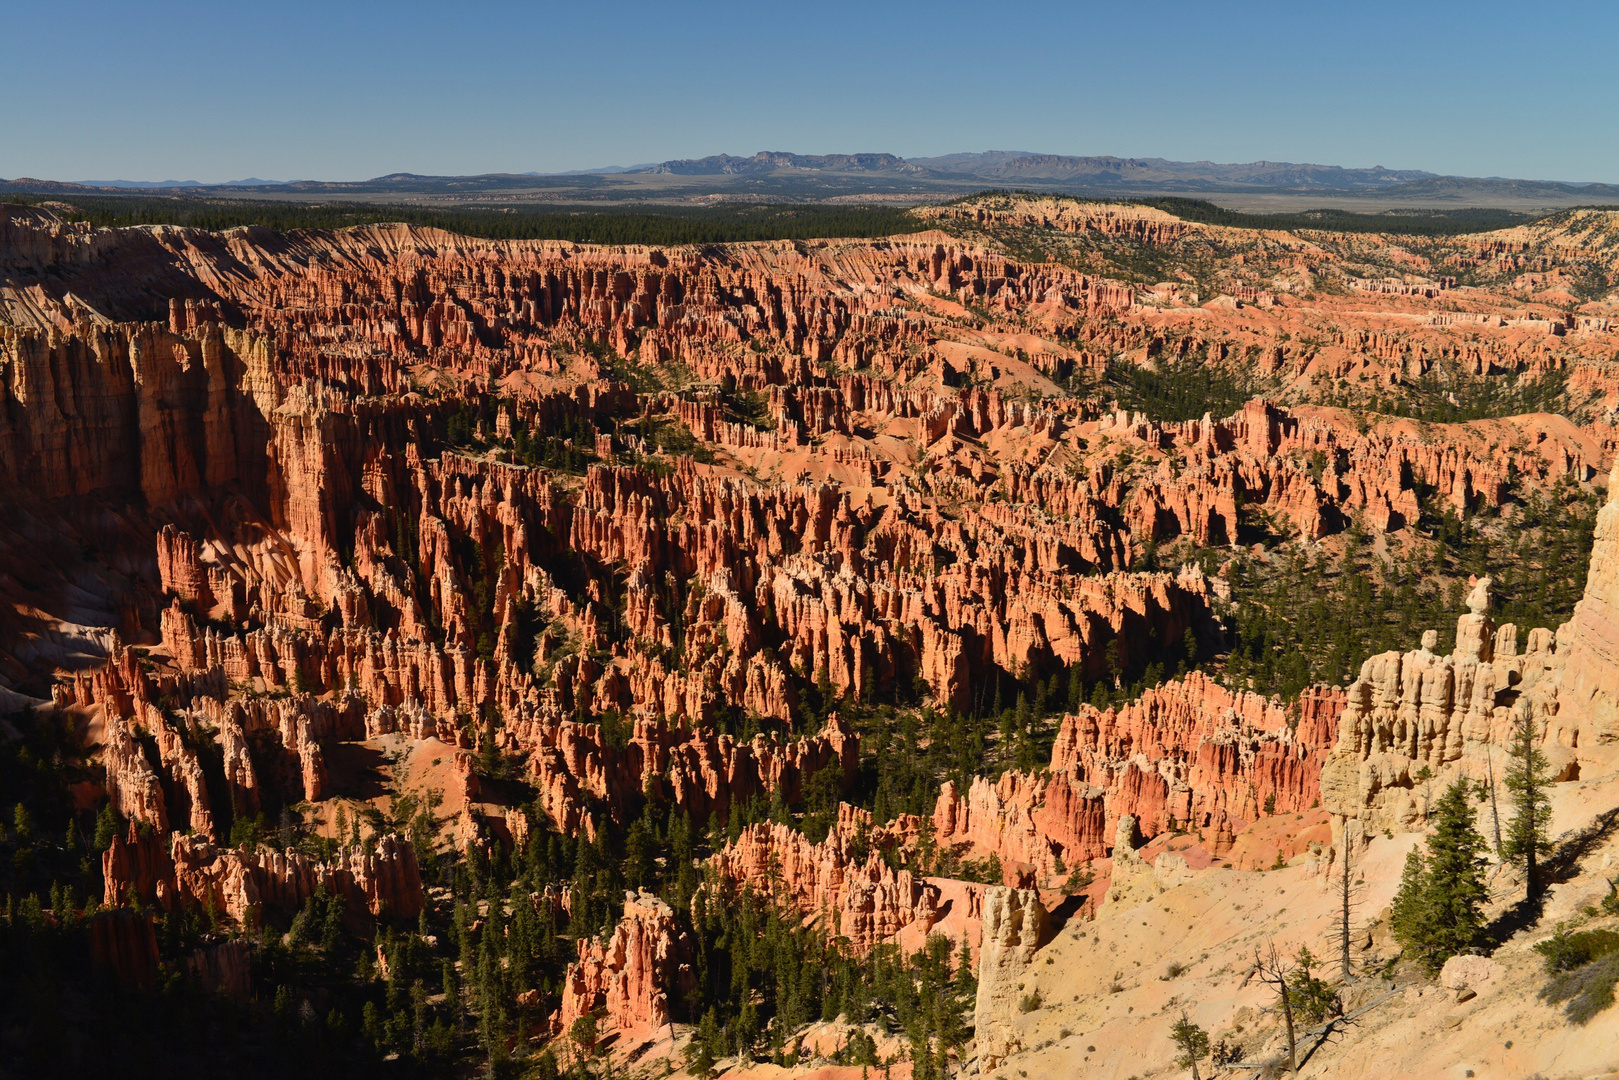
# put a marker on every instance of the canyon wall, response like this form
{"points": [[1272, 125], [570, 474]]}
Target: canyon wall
{"points": [[1588, 694]]}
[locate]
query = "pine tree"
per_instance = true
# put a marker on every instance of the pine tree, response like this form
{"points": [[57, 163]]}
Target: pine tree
{"points": [[1192, 1042], [1406, 912], [1527, 778], [1312, 997], [331, 933], [1439, 909], [1023, 721], [106, 827], [1425, 778], [584, 1034], [639, 868]]}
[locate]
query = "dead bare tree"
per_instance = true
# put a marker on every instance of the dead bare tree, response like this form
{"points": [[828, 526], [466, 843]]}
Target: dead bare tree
{"points": [[1495, 810], [1343, 908], [1348, 894], [1271, 969]]}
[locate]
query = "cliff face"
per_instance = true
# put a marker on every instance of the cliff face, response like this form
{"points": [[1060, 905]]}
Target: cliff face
{"points": [[1313, 471], [846, 886], [379, 879], [1189, 756], [1015, 926], [314, 554], [1588, 694]]}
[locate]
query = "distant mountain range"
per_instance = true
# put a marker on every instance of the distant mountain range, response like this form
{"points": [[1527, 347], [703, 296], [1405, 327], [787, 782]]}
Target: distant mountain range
{"points": [[771, 161], [777, 175], [1004, 166], [251, 181], [1128, 172]]}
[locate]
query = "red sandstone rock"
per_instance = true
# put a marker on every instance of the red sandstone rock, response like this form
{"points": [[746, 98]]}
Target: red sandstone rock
{"points": [[1589, 691], [224, 967], [1189, 753], [382, 878], [126, 943], [920, 509], [630, 978]]}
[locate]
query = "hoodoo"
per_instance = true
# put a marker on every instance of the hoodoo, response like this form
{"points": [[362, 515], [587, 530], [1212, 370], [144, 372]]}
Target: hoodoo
{"points": [[953, 651]]}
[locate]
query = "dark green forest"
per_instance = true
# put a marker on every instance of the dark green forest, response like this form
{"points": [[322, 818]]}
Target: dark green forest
{"points": [[1409, 222], [665, 225], [1412, 222], [335, 990], [675, 224]]}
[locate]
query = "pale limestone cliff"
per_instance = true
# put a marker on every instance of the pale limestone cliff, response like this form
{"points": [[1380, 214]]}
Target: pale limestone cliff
{"points": [[1015, 925]]}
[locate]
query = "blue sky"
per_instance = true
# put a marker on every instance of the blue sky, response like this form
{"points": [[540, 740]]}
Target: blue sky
{"points": [[352, 90]]}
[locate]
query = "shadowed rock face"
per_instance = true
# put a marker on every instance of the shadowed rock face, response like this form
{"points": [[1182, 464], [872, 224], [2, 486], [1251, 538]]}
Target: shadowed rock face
{"points": [[276, 495]]}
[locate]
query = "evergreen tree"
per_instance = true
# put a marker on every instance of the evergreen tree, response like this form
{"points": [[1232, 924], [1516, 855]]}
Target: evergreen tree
{"points": [[1406, 912], [1312, 997], [1439, 909], [638, 855], [106, 827], [1192, 1042], [700, 1053], [1527, 779]]}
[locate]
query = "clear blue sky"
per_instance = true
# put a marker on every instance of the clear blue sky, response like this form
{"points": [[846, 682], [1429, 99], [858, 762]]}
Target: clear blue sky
{"points": [[338, 90]]}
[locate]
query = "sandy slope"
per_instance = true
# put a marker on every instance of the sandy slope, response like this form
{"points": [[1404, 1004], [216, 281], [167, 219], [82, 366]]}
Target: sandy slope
{"points": [[1212, 925]]}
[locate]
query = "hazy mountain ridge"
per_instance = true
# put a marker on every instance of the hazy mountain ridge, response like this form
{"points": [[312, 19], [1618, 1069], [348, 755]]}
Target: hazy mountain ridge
{"points": [[788, 177], [1115, 170], [768, 161], [251, 181]]}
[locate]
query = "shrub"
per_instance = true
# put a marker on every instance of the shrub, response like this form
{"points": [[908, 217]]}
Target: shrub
{"points": [[1079, 879], [1029, 1002], [1192, 1042], [1587, 990], [1564, 951], [1312, 997], [1584, 967]]}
